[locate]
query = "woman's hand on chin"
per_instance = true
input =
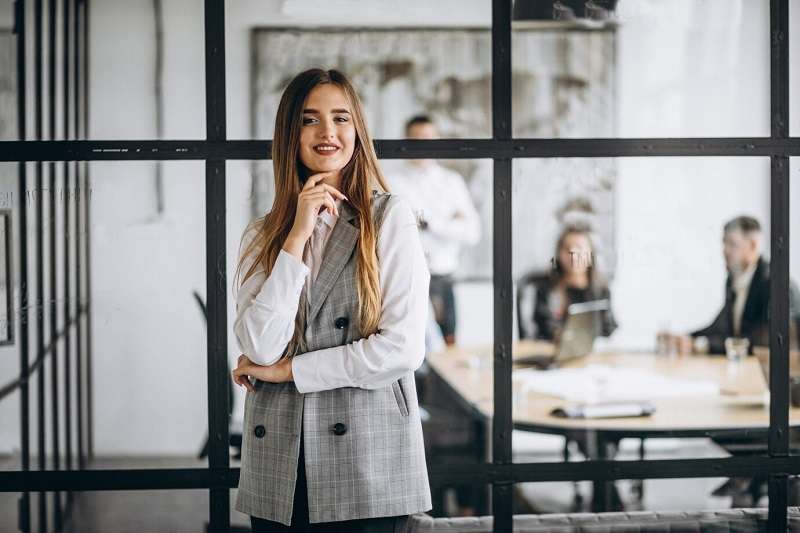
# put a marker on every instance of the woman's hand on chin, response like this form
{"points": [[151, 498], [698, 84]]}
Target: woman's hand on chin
{"points": [[279, 372]]}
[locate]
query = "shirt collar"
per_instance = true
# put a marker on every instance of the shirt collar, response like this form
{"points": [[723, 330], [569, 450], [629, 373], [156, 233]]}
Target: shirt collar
{"points": [[743, 280]]}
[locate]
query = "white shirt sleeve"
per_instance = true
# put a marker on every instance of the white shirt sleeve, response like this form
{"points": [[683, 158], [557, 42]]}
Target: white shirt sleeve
{"points": [[399, 344], [266, 307], [465, 228]]}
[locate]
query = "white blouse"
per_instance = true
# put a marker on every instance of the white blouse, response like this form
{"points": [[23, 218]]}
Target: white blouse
{"points": [[266, 309]]}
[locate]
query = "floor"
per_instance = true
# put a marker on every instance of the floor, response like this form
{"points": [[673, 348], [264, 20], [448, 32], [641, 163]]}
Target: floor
{"points": [[184, 511]]}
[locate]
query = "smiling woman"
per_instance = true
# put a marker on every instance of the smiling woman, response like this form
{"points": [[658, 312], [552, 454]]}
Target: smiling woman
{"points": [[328, 387]]}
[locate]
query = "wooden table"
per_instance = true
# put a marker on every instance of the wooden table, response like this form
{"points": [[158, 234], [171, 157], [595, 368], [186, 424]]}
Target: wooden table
{"points": [[467, 372]]}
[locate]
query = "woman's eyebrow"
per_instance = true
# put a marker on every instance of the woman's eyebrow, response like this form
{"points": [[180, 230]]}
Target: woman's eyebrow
{"points": [[314, 111]]}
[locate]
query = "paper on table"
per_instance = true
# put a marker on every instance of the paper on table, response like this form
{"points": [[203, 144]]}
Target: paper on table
{"points": [[601, 383]]}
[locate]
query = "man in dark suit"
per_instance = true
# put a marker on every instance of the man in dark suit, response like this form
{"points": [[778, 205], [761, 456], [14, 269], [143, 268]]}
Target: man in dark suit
{"points": [[744, 314], [746, 308]]}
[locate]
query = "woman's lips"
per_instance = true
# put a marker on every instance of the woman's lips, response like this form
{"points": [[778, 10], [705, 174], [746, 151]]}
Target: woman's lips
{"points": [[326, 149]]}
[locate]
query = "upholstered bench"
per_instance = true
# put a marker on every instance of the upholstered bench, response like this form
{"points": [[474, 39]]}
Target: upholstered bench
{"points": [[728, 520]]}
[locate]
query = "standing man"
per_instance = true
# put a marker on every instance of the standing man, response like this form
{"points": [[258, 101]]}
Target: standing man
{"points": [[447, 220]]}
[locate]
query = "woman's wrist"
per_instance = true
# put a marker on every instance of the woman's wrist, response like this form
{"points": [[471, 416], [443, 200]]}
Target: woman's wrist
{"points": [[294, 245]]}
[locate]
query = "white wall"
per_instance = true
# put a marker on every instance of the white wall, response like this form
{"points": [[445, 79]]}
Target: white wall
{"points": [[149, 339], [706, 73], [698, 76]]}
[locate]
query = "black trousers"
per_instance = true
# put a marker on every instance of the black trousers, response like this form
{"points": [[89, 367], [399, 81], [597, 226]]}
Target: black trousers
{"points": [[444, 304], [387, 524]]}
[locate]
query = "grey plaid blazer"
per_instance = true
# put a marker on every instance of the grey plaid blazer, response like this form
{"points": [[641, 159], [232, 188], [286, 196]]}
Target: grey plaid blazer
{"points": [[364, 451]]}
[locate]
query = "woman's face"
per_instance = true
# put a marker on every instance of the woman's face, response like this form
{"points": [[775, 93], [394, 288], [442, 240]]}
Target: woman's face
{"points": [[327, 135], [575, 254]]}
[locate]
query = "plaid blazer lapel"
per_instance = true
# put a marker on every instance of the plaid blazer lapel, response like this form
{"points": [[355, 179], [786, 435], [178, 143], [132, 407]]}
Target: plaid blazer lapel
{"points": [[337, 251]]}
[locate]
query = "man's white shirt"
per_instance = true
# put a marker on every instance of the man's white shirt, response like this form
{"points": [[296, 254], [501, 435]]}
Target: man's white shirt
{"points": [[436, 195]]}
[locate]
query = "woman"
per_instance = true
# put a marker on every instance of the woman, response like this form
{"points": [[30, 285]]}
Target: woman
{"points": [[331, 319], [573, 279]]}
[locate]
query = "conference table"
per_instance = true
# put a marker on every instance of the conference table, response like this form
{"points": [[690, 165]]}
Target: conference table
{"points": [[738, 407]]}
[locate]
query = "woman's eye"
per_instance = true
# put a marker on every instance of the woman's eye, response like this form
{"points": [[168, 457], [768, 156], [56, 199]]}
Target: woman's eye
{"points": [[313, 120]]}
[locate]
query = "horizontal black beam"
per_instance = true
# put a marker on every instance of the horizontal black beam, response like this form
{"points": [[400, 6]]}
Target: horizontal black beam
{"points": [[403, 149], [140, 479], [475, 474], [737, 466]]}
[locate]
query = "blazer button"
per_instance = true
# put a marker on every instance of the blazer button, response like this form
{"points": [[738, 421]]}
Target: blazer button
{"points": [[339, 428], [259, 431], [341, 322]]}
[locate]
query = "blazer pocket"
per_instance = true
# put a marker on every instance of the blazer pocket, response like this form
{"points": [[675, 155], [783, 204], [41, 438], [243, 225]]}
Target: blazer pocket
{"points": [[400, 397]]}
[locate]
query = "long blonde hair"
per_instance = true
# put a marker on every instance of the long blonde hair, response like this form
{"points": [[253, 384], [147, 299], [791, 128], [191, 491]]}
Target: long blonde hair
{"points": [[359, 177]]}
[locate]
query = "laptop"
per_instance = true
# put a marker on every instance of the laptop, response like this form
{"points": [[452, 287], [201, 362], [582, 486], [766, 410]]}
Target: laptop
{"points": [[582, 326]]}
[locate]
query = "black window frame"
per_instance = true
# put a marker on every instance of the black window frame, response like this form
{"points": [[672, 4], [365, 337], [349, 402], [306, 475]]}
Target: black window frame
{"points": [[73, 148]]}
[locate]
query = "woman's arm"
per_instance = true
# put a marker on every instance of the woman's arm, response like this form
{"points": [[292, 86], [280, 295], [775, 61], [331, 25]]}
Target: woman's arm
{"points": [[542, 316], [266, 307], [399, 345]]}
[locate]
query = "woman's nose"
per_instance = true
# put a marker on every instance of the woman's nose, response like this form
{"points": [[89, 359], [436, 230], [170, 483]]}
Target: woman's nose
{"points": [[328, 129]]}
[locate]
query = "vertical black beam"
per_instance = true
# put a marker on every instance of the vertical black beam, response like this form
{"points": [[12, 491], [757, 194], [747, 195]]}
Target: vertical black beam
{"points": [[39, 226], [53, 291], [78, 171], [67, 301], [84, 195], [501, 262], [779, 264], [20, 19], [216, 276], [778, 501]]}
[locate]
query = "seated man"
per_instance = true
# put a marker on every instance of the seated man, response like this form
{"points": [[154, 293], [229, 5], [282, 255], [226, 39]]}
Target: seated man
{"points": [[746, 307], [744, 314]]}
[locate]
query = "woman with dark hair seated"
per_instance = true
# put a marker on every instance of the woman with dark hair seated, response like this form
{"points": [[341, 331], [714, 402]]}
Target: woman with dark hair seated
{"points": [[573, 278]]}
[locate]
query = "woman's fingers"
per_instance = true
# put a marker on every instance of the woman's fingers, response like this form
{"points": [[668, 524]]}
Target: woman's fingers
{"points": [[313, 180], [315, 183], [240, 377], [330, 203], [333, 191], [322, 198]]}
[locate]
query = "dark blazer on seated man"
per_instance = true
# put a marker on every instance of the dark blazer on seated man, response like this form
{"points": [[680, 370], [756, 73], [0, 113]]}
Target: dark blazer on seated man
{"points": [[749, 316]]}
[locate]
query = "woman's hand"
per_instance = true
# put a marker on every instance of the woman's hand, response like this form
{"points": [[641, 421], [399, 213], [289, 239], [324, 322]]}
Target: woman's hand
{"points": [[314, 197], [279, 372]]}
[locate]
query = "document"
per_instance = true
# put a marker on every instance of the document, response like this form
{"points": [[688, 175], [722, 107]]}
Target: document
{"points": [[602, 383]]}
